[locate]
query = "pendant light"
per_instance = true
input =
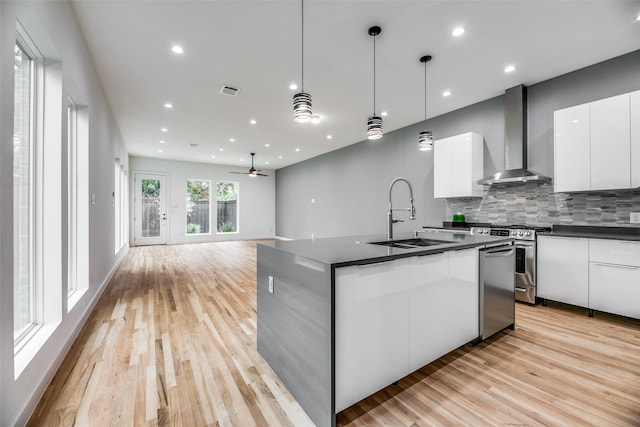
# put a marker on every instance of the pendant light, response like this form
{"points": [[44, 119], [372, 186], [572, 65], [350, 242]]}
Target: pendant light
{"points": [[425, 138], [302, 100], [374, 123]]}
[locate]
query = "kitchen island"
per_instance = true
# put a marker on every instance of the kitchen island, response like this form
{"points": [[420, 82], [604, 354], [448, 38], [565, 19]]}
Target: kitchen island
{"points": [[340, 318]]}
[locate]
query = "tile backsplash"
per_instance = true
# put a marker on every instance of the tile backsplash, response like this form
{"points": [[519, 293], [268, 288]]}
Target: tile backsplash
{"points": [[535, 203]]}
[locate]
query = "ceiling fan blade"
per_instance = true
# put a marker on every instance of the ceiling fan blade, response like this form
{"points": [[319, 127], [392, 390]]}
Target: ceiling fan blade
{"points": [[261, 174], [240, 173]]}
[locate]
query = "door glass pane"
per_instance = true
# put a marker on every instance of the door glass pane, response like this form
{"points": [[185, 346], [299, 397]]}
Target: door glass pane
{"points": [[198, 207], [227, 201], [150, 207]]}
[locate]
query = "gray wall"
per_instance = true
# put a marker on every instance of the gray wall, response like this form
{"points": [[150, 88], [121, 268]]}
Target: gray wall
{"points": [[350, 185]]}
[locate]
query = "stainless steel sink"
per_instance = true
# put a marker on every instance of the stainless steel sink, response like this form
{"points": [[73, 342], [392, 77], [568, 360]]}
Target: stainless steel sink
{"points": [[410, 243]]}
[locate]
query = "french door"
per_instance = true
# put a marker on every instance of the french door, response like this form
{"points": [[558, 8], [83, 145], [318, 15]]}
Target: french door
{"points": [[150, 215]]}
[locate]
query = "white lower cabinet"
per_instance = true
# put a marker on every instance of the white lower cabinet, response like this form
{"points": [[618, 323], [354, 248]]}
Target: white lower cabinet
{"points": [[563, 269], [615, 289], [443, 305], [614, 276], [600, 274], [371, 335], [393, 318]]}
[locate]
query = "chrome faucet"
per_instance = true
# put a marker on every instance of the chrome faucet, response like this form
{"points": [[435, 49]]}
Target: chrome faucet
{"points": [[390, 217]]}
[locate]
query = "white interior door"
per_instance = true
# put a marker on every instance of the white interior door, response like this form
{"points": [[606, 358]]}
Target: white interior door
{"points": [[150, 216]]}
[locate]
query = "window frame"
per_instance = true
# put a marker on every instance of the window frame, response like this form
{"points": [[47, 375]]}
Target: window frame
{"points": [[209, 182], [236, 184]]}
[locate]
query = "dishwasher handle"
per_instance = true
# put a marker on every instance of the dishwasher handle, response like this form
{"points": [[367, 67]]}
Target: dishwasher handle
{"points": [[493, 253]]}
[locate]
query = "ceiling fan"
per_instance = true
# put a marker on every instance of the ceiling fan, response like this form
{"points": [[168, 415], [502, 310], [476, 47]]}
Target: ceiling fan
{"points": [[253, 172]]}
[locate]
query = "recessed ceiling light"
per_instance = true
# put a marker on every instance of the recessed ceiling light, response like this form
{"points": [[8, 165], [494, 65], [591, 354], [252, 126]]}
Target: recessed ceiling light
{"points": [[242, 160], [266, 163], [446, 93], [315, 119], [509, 69], [213, 157], [279, 157], [252, 121], [232, 140], [329, 136], [164, 130], [638, 18], [168, 105], [162, 141], [160, 151], [458, 31], [383, 113], [267, 145], [297, 149], [222, 149], [177, 49], [293, 86]]}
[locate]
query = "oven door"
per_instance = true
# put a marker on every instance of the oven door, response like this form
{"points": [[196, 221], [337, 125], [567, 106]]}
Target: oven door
{"points": [[525, 278]]}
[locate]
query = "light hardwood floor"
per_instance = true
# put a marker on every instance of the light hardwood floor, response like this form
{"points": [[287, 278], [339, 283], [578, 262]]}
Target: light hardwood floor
{"points": [[173, 342]]}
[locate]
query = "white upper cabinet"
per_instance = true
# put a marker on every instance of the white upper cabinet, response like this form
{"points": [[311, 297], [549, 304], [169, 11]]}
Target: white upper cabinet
{"points": [[610, 143], [597, 145], [635, 138], [572, 149], [458, 166]]}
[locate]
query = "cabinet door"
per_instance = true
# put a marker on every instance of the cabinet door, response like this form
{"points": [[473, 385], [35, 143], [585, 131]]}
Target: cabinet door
{"points": [[443, 305], [461, 165], [615, 289], [442, 168], [572, 149], [635, 138], [371, 334], [429, 308], [563, 269], [610, 143], [458, 165]]}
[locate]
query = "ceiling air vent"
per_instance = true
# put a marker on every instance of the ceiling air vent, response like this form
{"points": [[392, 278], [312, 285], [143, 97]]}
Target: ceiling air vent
{"points": [[229, 90]]}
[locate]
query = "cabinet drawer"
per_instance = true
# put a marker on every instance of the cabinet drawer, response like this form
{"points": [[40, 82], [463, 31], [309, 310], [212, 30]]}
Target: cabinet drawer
{"points": [[615, 289], [621, 252]]}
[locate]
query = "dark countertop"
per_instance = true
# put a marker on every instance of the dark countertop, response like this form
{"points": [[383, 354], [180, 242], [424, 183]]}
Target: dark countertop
{"points": [[595, 232], [355, 250]]}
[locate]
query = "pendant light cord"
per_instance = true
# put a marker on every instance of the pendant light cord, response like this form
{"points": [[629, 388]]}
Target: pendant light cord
{"points": [[425, 95], [374, 75], [302, 55]]}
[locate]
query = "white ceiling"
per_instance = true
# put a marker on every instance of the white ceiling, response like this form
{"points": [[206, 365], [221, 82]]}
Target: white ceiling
{"points": [[256, 46]]}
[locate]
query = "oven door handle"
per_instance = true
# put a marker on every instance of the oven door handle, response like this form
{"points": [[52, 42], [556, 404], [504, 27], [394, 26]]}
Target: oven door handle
{"points": [[521, 289]]}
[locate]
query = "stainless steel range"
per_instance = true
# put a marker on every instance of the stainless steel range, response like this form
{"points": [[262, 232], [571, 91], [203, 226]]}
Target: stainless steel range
{"points": [[525, 244]]}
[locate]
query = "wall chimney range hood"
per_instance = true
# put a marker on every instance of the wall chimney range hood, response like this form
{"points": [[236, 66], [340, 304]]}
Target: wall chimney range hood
{"points": [[515, 142]]}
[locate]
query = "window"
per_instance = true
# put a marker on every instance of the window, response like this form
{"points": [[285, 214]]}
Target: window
{"points": [[227, 201], [23, 193], [77, 201], [38, 198], [198, 207]]}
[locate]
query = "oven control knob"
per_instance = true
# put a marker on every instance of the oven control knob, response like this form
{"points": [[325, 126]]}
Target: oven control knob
{"points": [[520, 233], [528, 233]]}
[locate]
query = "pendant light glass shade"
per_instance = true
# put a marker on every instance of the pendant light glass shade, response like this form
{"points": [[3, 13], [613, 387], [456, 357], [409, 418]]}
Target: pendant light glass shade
{"points": [[425, 138], [374, 127], [374, 122], [302, 109]]}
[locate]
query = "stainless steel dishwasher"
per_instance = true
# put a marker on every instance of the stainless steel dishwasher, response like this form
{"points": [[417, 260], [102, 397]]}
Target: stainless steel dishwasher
{"points": [[497, 289]]}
